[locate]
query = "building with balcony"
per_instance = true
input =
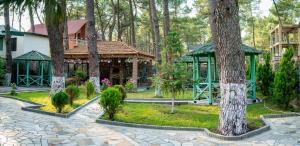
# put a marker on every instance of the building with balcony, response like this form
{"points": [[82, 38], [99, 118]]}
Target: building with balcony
{"points": [[282, 37]]}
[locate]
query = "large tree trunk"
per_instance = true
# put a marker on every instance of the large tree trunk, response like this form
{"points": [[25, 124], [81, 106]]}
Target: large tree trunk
{"points": [[167, 28], [92, 46], [31, 18], [66, 34], [55, 18], [132, 28], [157, 46], [8, 46], [230, 60]]}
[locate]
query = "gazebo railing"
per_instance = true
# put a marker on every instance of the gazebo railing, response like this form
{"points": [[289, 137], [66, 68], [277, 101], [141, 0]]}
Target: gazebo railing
{"points": [[203, 90], [31, 80]]}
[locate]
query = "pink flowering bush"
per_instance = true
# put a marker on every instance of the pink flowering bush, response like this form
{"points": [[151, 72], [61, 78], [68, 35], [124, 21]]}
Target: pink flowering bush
{"points": [[130, 86], [106, 83]]}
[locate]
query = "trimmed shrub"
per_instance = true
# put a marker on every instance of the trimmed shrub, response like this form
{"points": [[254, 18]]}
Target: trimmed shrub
{"points": [[73, 92], [2, 71], [130, 86], [110, 101], [71, 81], [59, 100], [80, 76], [285, 81], [13, 89], [122, 91], [90, 89]]}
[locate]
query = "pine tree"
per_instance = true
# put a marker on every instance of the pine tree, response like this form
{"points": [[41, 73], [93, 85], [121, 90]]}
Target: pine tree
{"points": [[285, 81]]}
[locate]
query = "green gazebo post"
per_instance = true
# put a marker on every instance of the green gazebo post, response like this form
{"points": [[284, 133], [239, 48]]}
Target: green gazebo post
{"points": [[209, 79], [253, 76], [27, 73], [18, 64], [42, 73]]}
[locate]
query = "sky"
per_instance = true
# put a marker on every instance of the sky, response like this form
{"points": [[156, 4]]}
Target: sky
{"points": [[264, 7]]}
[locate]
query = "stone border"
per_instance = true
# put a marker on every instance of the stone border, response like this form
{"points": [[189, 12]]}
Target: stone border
{"points": [[206, 131], [35, 106]]}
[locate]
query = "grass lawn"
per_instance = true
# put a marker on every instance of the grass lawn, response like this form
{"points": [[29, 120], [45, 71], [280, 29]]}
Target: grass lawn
{"points": [[184, 116], [148, 94], [43, 97]]}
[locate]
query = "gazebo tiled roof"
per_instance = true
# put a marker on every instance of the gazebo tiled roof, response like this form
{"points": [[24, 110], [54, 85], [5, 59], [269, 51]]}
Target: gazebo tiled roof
{"points": [[209, 48], [108, 49], [33, 56]]}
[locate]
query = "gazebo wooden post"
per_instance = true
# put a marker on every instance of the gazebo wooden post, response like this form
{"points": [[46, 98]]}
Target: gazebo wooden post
{"points": [[135, 71], [215, 69], [194, 78], [253, 76], [18, 65], [50, 73], [199, 70], [27, 73], [209, 79], [42, 73]]}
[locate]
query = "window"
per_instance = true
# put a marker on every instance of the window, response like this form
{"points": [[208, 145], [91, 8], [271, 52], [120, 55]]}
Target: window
{"points": [[13, 44], [1, 43]]}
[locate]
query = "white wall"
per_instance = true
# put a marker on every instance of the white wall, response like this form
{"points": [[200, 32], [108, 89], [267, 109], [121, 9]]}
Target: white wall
{"points": [[36, 43], [27, 43]]}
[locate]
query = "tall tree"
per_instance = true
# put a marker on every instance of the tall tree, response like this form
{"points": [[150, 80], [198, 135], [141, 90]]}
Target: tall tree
{"points": [[132, 28], [8, 45], [30, 7], [157, 46], [55, 13], [92, 45], [166, 27], [224, 15]]}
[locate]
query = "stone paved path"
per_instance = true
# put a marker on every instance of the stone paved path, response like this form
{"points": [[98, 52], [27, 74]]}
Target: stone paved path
{"points": [[19, 127], [285, 132]]}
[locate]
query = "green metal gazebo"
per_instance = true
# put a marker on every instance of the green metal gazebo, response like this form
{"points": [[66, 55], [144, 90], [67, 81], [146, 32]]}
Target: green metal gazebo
{"points": [[207, 86], [41, 72]]}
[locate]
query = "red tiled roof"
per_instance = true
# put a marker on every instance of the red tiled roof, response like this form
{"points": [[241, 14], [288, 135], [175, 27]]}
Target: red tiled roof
{"points": [[110, 49], [73, 27]]}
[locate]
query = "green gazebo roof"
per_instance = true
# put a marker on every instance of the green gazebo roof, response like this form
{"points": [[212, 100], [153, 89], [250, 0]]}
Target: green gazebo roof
{"points": [[33, 56], [208, 48], [189, 59]]}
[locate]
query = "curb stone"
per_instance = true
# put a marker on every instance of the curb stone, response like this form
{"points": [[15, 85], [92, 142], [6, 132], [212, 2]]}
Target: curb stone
{"points": [[35, 106], [205, 130]]}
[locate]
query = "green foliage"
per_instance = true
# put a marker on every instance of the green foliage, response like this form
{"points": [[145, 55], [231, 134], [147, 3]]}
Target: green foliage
{"points": [[59, 100], [173, 78], [73, 92], [110, 101], [174, 44], [80, 76], [285, 81], [71, 81], [130, 86], [90, 89], [265, 75], [122, 91], [2, 71], [13, 89]]}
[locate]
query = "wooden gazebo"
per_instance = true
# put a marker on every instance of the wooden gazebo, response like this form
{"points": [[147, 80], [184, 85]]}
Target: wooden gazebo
{"points": [[207, 86], [33, 68], [119, 61]]}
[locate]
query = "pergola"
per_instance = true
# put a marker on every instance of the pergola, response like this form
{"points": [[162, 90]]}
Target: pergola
{"points": [[207, 86], [40, 74]]}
